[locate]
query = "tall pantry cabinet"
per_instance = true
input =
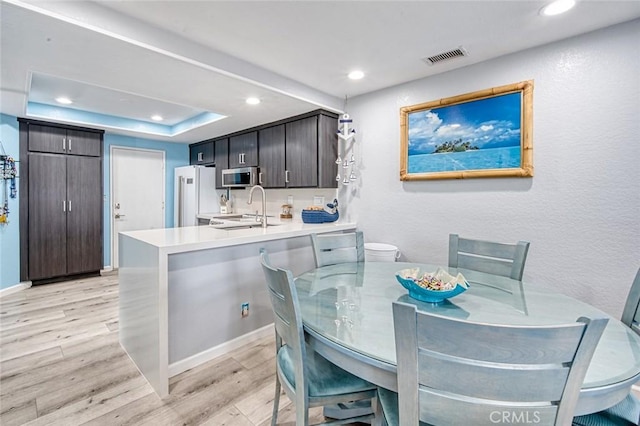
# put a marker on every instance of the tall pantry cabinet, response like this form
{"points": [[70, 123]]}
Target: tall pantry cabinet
{"points": [[60, 202]]}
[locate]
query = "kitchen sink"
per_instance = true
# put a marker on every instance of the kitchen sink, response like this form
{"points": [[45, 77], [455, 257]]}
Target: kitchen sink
{"points": [[241, 221]]}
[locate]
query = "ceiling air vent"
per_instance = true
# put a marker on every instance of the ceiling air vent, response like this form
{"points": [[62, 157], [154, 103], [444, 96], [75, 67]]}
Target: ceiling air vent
{"points": [[445, 56]]}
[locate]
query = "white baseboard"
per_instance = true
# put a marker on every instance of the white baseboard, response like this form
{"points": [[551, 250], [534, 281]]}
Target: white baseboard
{"points": [[222, 349], [108, 270], [14, 289]]}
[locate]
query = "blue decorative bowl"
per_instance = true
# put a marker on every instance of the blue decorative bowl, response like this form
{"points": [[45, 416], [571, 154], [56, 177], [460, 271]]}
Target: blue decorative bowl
{"points": [[425, 295]]}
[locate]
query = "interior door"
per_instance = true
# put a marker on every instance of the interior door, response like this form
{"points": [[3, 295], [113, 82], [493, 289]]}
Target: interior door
{"points": [[137, 192]]}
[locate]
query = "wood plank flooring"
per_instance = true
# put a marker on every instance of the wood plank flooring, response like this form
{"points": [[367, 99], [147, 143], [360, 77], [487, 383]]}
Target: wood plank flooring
{"points": [[61, 364]]}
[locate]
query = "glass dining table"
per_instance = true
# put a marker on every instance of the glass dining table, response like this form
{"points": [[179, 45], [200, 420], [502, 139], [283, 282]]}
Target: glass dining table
{"points": [[347, 316]]}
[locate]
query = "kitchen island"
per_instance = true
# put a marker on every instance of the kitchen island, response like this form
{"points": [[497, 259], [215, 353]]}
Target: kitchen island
{"points": [[182, 291]]}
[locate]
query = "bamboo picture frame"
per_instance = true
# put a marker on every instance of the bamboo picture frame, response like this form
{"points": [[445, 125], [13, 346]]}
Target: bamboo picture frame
{"points": [[487, 133]]}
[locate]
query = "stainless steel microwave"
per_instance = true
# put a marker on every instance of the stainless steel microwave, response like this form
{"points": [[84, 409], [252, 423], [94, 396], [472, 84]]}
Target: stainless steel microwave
{"points": [[240, 177]]}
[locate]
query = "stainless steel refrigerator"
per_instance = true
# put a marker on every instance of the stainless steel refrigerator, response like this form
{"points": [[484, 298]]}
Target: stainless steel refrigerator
{"points": [[195, 194]]}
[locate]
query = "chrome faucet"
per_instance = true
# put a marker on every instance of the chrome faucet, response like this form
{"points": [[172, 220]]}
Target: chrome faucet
{"points": [[264, 204]]}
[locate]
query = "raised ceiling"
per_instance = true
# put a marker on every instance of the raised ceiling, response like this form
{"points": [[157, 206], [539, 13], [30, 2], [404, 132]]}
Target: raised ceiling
{"points": [[131, 59]]}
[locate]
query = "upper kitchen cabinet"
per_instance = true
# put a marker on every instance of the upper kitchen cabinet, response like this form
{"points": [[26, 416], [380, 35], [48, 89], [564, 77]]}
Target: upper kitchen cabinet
{"points": [[311, 151], [299, 152], [221, 155], [243, 150], [201, 154], [302, 153], [59, 140], [271, 143], [296, 152]]}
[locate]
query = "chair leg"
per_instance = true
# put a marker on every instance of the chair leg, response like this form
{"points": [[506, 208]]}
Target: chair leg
{"points": [[276, 403], [378, 418]]}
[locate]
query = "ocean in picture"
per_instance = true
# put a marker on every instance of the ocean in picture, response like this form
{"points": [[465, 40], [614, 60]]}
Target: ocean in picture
{"points": [[475, 159]]}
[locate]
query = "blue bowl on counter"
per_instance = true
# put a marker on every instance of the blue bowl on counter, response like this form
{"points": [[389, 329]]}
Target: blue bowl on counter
{"points": [[426, 295]]}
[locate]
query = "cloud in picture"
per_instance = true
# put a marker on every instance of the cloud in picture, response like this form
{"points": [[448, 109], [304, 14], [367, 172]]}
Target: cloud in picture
{"points": [[483, 124]]}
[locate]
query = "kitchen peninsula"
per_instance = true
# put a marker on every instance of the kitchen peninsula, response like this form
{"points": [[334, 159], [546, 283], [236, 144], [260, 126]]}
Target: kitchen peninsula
{"points": [[182, 291]]}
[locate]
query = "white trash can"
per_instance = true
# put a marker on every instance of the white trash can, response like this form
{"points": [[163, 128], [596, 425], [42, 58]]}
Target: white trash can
{"points": [[379, 252]]}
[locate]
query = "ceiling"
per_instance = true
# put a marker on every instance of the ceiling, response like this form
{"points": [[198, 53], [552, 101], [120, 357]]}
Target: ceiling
{"points": [[195, 62]]}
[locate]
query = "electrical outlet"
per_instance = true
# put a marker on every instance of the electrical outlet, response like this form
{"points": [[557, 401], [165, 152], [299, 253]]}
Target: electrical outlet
{"points": [[245, 309]]}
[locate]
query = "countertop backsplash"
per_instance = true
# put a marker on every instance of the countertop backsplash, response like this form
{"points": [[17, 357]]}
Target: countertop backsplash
{"points": [[302, 198]]}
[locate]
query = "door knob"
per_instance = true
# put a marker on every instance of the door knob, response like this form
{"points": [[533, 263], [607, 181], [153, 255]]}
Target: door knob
{"points": [[118, 215]]}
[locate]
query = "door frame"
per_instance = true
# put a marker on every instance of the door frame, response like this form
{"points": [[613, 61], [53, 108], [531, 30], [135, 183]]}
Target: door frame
{"points": [[112, 149]]}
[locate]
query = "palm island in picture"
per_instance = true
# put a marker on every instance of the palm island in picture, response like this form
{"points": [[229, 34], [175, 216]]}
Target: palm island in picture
{"points": [[478, 135]]}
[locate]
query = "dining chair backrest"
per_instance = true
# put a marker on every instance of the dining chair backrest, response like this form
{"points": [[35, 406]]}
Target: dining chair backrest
{"points": [[330, 249], [487, 256], [631, 312], [450, 370], [288, 322]]}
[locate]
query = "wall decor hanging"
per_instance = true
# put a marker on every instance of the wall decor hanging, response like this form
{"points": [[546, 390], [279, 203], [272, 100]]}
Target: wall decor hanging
{"points": [[487, 133], [8, 174], [346, 135]]}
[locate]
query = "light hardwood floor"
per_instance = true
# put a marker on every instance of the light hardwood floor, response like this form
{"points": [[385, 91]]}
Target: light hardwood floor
{"points": [[61, 363]]}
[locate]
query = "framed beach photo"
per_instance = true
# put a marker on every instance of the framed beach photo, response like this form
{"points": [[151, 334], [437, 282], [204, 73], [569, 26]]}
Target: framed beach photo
{"points": [[487, 133]]}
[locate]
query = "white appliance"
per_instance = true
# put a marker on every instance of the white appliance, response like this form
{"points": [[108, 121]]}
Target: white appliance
{"points": [[195, 193]]}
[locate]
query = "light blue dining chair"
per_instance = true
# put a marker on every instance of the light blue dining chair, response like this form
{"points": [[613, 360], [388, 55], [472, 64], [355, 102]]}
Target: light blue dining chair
{"points": [[631, 312], [627, 412], [331, 249], [490, 257], [308, 379], [454, 372]]}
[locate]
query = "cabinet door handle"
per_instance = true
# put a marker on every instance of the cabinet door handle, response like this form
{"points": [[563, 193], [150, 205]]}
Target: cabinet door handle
{"points": [[64, 206], [260, 178], [69, 149], [64, 144], [200, 156], [286, 176], [69, 202]]}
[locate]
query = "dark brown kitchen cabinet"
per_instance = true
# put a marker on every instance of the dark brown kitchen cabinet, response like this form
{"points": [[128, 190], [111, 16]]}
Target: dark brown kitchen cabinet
{"points": [[61, 231], [311, 146], [271, 143], [47, 216], [201, 153], [243, 150], [221, 155], [327, 151], [302, 153], [65, 193], [64, 141], [296, 152], [84, 192]]}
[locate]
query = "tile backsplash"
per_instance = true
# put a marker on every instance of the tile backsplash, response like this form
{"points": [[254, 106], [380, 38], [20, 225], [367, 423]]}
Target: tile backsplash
{"points": [[302, 198]]}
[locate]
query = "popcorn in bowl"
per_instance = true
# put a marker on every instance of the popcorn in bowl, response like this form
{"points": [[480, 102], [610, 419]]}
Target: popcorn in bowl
{"points": [[431, 286]]}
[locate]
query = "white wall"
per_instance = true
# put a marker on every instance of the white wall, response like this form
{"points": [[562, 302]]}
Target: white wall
{"points": [[581, 210]]}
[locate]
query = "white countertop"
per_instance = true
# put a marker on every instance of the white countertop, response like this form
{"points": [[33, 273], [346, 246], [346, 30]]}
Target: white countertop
{"points": [[191, 238]]}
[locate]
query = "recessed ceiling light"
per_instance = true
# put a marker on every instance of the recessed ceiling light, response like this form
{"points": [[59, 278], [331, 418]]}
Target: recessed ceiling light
{"points": [[63, 100], [253, 101], [557, 7], [356, 75], [157, 117]]}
